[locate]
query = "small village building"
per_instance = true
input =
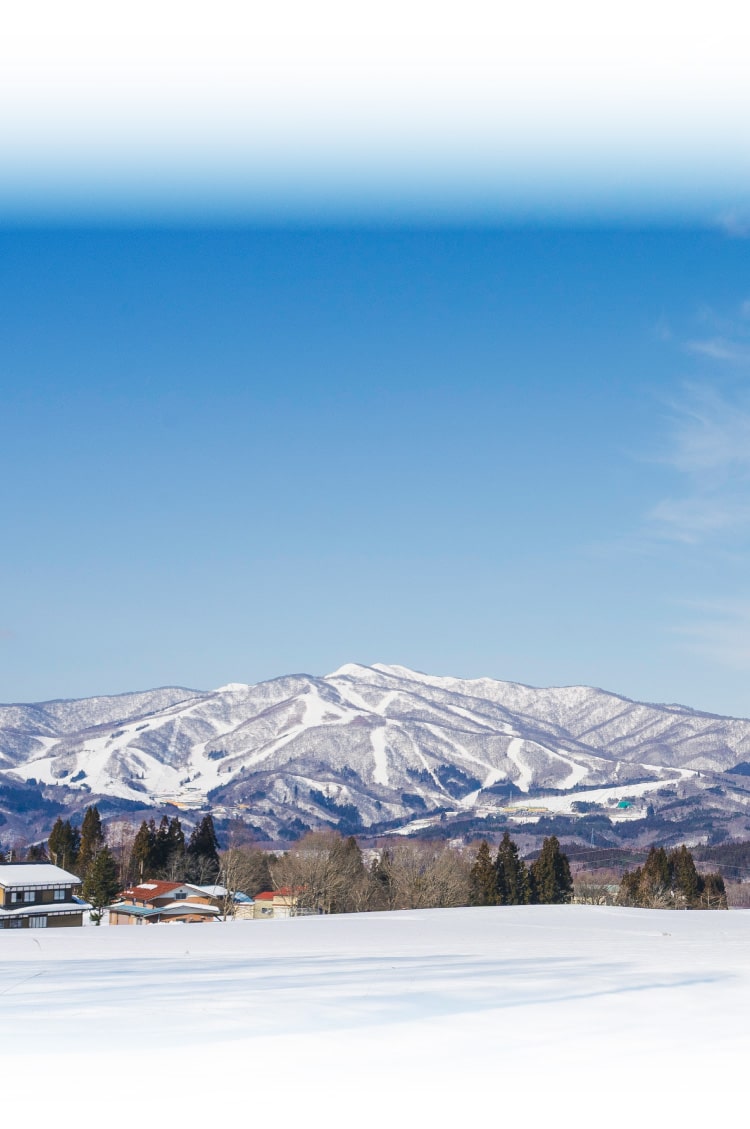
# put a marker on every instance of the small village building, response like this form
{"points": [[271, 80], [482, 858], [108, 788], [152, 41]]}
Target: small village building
{"points": [[155, 901], [39, 895], [275, 903], [236, 904]]}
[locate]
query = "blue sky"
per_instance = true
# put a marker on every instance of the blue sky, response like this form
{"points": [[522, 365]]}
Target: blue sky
{"points": [[417, 336], [230, 454]]}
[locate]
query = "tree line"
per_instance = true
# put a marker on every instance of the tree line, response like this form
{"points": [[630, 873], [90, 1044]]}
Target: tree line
{"points": [[506, 880], [152, 852], [328, 872], [671, 881]]}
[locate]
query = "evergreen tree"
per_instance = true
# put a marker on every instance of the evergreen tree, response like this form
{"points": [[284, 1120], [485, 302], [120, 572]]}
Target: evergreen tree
{"points": [[63, 844], [160, 856], [552, 883], [100, 886], [202, 861], [671, 881], [37, 853], [712, 892], [92, 839], [142, 851], [630, 886], [512, 875], [685, 877], [657, 875], [175, 847], [483, 878]]}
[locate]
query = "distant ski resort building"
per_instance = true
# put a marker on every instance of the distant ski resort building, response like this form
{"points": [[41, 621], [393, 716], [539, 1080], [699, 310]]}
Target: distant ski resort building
{"points": [[38, 895]]}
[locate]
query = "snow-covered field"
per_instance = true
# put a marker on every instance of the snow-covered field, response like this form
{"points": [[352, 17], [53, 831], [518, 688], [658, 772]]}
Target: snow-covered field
{"points": [[570, 1015]]}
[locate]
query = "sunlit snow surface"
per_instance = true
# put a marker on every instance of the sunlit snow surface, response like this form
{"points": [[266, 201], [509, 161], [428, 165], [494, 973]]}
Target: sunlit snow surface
{"points": [[578, 1014]]}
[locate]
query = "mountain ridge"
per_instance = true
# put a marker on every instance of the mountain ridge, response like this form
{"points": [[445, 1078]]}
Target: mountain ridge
{"points": [[388, 746]]}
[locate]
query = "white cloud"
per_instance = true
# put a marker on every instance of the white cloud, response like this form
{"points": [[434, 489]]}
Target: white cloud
{"points": [[709, 447], [693, 519], [721, 349], [709, 433]]}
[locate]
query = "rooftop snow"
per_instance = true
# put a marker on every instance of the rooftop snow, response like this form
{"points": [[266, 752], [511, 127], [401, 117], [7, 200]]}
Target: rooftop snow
{"points": [[35, 874]]}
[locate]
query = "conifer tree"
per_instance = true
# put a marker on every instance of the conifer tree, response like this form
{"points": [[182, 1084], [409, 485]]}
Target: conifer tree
{"points": [[671, 881], [712, 892], [202, 861], [161, 846], [175, 846], [63, 844], [142, 851], [100, 886], [656, 881], [552, 883], [685, 876], [630, 887], [483, 878], [512, 875], [92, 839]]}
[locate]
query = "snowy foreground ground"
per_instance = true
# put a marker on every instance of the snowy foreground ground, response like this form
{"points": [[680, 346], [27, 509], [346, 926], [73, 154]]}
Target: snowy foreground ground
{"points": [[547, 1014]]}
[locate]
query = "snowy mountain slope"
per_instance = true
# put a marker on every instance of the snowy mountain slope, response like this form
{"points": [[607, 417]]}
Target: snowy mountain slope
{"points": [[370, 745]]}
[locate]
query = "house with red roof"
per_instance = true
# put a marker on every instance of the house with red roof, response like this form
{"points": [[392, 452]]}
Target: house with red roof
{"points": [[276, 903], [155, 901]]}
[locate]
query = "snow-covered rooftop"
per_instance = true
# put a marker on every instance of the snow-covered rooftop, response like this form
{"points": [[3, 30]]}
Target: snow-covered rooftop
{"points": [[45, 910], [35, 874]]}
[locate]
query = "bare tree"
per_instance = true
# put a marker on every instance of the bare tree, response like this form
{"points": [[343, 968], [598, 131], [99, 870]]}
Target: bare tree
{"points": [[596, 887], [325, 872], [242, 870], [121, 835], [422, 875]]}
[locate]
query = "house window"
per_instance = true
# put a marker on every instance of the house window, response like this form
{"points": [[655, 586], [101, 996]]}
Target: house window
{"points": [[59, 895], [29, 895], [15, 923], [37, 923]]}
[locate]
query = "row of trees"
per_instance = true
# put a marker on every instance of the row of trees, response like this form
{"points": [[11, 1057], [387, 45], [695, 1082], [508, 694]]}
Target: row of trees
{"points": [[329, 875], [506, 880], [86, 851], [671, 881], [154, 852], [163, 852]]}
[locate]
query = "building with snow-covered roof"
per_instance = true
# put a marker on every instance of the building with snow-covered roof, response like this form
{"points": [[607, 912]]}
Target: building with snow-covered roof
{"points": [[233, 903], [39, 895], [154, 901]]}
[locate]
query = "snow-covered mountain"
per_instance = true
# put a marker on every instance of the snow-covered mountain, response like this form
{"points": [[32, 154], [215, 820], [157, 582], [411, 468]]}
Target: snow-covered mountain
{"points": [[364, 746]]}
